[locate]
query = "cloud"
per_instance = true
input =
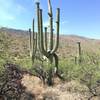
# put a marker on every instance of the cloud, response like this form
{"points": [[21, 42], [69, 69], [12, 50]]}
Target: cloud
{"points": [[46, 24], [9, 10], [20, 9], [64, 22], [6, 16]]}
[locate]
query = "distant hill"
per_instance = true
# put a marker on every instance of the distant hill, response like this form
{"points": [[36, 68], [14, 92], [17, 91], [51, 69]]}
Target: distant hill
{"points": [[19, 44], [14, 43], [13, 31], [69, 46]]}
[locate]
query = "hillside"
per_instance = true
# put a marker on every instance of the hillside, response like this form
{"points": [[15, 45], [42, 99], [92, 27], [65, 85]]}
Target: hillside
{"points": [[13, 46], [18, 41], [70, 47], [81, 81]]}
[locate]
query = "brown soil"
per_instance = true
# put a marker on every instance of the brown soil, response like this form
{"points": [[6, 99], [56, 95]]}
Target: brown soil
{"points": [[60, 91]]}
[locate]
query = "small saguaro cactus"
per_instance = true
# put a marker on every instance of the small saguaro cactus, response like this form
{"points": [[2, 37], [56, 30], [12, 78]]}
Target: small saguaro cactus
{"points": [[79, 52], [33, 42], [32, 39], [30, 43], [75, 59]]}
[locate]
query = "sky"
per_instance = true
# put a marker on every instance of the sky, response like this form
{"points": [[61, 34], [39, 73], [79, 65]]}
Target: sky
{"points": [[77, 17]]}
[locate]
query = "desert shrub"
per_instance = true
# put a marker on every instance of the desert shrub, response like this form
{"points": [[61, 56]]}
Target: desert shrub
{"points": [[90, 73], [25, 63], [87, 72], [69, 69]]}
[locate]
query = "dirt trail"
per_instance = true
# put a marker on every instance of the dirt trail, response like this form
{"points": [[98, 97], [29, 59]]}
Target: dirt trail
{"points": [[61, 91]]}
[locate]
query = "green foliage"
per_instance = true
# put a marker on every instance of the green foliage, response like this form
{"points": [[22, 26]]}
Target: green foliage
{"points": [[90, 70], [25, 63], [87, 73], [70, 69]]}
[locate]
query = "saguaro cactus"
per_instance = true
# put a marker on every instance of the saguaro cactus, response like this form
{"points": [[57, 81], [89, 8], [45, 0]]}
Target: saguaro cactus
{"points": [[50, 52], [42, 42], [32, 38], [33, 42], [79, 52], [30, 42]]}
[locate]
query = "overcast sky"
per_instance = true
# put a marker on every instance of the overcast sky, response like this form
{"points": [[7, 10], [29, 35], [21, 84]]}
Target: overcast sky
{"points": [[78, 17]]}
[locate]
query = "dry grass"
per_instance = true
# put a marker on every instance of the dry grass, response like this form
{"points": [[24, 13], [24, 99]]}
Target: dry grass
{"points": [[61, 91]]}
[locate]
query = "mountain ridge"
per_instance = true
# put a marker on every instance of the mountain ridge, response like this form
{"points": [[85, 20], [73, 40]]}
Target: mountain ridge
{"points": [[25, 32]]}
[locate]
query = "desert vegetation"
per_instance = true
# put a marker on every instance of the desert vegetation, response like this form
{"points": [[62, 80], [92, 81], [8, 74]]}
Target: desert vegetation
{"points": [[45, 66]]}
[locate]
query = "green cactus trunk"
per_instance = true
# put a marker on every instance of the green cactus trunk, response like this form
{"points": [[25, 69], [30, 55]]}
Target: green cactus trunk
{"points": [[38, 25], [30, 42], [79, 51], [41, 41], [45, 40]]}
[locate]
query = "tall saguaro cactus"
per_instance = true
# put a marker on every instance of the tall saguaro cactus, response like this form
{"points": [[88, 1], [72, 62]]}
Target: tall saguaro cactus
{"points": [[50, 53], [46, 45]]}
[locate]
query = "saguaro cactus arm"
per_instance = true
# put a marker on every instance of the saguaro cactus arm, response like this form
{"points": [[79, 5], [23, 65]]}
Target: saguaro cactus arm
{"points": [[57, 31], [38, 25], [45, 39], [33, 39], [49, 8], [51, 25], [33, 32], [41, 35], [30, 42]]}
